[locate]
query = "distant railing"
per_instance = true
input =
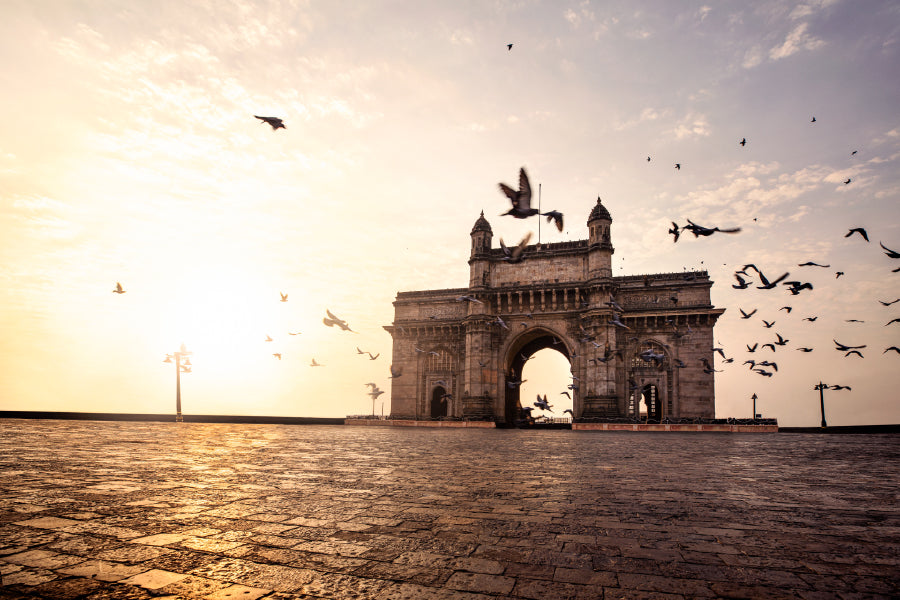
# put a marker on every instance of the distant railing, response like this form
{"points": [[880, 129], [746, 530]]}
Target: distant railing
{"points": [[698, 421]]}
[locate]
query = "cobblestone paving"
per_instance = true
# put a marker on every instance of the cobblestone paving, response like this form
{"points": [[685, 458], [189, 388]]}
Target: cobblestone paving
{"points": [[141, 510]]}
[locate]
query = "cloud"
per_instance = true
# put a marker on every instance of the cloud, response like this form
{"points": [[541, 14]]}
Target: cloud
{"points": [[796, 40], [692, 125], [647, 115]]}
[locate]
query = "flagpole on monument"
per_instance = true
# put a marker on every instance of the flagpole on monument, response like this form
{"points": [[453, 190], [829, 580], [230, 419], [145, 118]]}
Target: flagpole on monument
{"points": [[539, 215]]}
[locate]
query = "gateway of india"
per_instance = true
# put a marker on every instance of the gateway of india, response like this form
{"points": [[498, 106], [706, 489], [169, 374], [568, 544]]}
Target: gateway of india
{"points": [[635, 343]]}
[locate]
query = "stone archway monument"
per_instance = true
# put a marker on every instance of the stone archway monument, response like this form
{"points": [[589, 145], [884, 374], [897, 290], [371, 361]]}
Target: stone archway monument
{"points": [[620, 334]]}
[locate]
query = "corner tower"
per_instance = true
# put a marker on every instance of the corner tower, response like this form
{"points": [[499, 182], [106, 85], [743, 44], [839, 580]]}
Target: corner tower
{"points": [[482, 236], [600, 248]]}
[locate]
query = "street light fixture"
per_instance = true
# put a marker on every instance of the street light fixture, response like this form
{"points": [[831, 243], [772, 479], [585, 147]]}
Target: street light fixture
{"points": [[822, 387], [180, 367]]}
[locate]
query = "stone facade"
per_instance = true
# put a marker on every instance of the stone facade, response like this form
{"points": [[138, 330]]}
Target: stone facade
{"points": [[463, 358]]}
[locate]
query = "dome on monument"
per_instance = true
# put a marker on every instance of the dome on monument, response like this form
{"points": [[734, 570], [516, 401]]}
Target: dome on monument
{"points": [[599, 212], [482, 225]]}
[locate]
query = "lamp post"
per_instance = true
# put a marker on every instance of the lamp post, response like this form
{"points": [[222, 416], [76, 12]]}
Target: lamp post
{"points": [[179, 368], [753, 397], [822, 387]]}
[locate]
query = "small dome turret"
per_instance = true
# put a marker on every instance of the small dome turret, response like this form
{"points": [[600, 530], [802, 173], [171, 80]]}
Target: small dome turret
{"points": [[482, 225], [599, 212]]}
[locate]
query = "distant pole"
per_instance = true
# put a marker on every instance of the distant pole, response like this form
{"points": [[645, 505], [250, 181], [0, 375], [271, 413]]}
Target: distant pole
{"points": [[181, 353], [754, 405], [539, 214], [178, 417], [821, 387]]}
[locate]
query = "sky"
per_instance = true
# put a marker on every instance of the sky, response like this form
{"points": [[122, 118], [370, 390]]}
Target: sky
{"points": [[129, 153]]}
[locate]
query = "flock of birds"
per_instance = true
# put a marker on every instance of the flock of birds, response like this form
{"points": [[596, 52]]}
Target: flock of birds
{"points": [[521, 208]]}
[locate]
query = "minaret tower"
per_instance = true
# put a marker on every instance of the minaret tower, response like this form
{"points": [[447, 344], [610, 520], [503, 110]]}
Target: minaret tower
{"points": [[600, 248], [479, 262]]}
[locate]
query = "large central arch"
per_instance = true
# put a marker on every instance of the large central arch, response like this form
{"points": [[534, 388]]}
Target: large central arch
{"points": [[517, 354]]}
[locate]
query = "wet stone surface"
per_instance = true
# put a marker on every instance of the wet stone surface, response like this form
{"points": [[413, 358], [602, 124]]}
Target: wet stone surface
{"points": [[95, 510]]}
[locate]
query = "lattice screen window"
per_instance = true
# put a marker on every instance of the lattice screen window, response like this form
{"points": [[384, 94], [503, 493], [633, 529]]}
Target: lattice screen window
{"points": [[442, 362], [639, 363]]}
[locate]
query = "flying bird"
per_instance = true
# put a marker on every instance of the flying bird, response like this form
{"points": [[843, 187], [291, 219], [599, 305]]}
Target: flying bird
{"points": [[812, 264], [766, 284], [837, 274], [277, 355], [467, 298], [743, 142], [699, 230], [119, 289], [509, 47], [804, 349], [515, 255], [889, 252], [556, 216], [787, 308], [813, 120], [677, 166], [675, 230], [768, 324], [856, 352], [283, 297], [269, 338], [847, 181], [293, 333], [752, 348], [897, 320], [395, 372], [843, 347], [840, 387], [894, 348], [858, 230], [889, 303], [521, 198], [747, 315], [741, 284], [795, 287], [275, 122], [315, 364], [810, 319], [331, 320]]}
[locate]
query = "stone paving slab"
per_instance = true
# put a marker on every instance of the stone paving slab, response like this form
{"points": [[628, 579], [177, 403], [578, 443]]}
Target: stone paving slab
{"points": [[119, 510]]}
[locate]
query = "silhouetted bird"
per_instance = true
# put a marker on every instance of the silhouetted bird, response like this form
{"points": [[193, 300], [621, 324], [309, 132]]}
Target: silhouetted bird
{"points": [[843, 347], [556, 216], [837, 274], [897, 320], [675, 230], [840, 387], [856, 352], [813, 120], [858, 230], [648, 159], [787, 308], [509, 47], [677, 166], [769, 346], [894, 348], [767, 324], [515, 255], [803, 349], [275, 122], [795, 287], [847, 181], [521, 198], [395, 372], [699, 230], [889, 303], [119, 289], [854, 153], [747, 315], [752, 348], [467, 298], [743, 142], [810, 319], [277, 355], [812, 264], [781, 341], [315, 364], [283, 297], [889, 252], [766, 284], [741, 284]]}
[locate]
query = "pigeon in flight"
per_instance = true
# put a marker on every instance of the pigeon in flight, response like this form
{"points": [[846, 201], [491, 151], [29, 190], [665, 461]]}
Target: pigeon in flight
{"points": [[890, 253], [509, 47], [556, 216], [119, 289], [699, 230], [677, 166], [847, 181], [515, 255], [752, 348], [889, 303], [840, 387], [675, 231], [521, 198], [275, 122], [813, 120], [277, 355], [743, 142], [283, 297], [894, 348], [395, 372], [269, 338], [897, 320], [804, 349], [741, 284], [467, 298], [766, 284], [293, 333], [812, 264], [315, 364], [795, 287], [331, 320], [858, 230], [843, 347], [787, 308]]}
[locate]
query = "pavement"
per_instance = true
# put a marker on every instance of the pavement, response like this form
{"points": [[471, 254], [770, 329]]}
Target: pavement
{"points": [[119, 510]]}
